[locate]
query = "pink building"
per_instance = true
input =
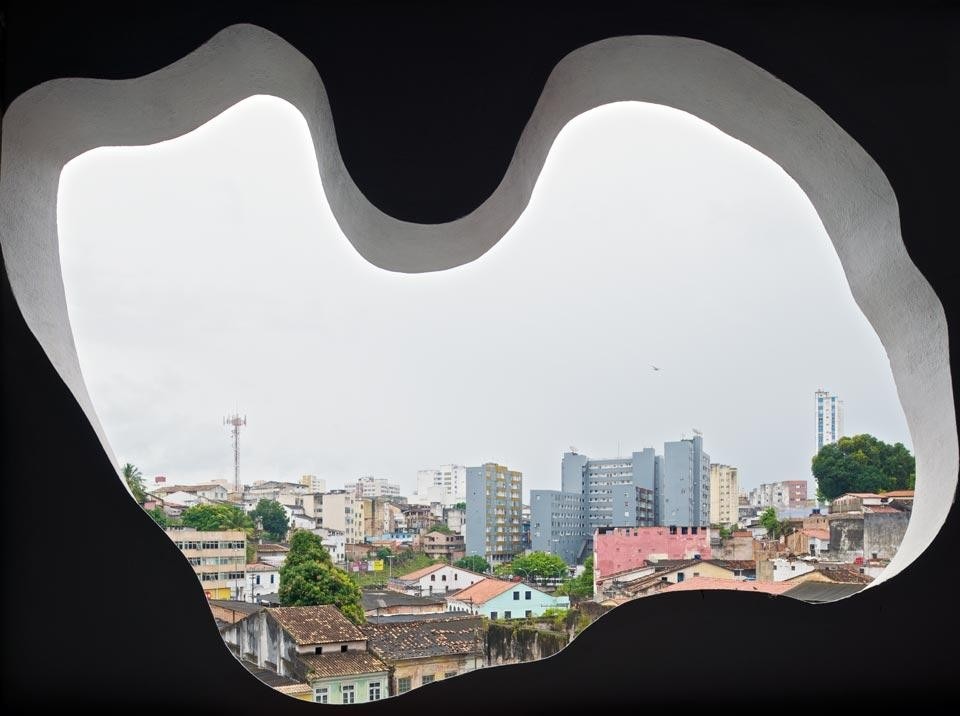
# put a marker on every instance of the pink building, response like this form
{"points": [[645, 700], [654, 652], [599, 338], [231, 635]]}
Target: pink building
{"points": [[617, 549]]}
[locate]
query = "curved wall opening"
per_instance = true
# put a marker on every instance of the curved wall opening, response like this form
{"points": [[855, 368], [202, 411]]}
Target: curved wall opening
{"points": [[848, 190]]}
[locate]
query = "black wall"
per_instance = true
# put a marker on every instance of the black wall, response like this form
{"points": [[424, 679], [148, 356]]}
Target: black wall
{"points": [[411, 87]]}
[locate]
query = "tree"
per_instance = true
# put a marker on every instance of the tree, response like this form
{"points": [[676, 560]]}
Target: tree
{"points": [[580, 587], [473, 562], [442, 529], [210, 518], [862, 463], [308, 578], [460, 506], [273, 517], [159, 516], [134, 480], [775, 528], [384, 552], [538, 565]]}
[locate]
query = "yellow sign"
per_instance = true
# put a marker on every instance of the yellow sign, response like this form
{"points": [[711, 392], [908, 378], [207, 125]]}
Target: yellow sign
{"points": [[377, 565]]}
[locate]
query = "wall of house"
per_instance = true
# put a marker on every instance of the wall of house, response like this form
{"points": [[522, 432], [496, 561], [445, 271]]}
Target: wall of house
{"points": [[361, 686], [883, 532], [846, 538], [260, 640], [537, 604], [735, 548], [512, 643], [438, 667], [619, 549], [445, 579]]}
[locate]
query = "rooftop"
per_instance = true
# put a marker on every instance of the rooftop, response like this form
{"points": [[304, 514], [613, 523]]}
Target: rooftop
{"points": [[261, 567], [342, 664], [270, 677], [425, 638], [486, 589], [316, 625], [819, 592], [269, 547], [245, 607], [371, 599], [422, 572], [698, 583]]}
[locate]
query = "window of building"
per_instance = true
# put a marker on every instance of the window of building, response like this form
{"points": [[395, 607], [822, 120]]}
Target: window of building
{"points": [[516, 595], [349, 694], [493, 615], [449, 674], [507, 615], [673, 530], [321, 695], [318, 650], [433, 578], [426, 679], [258, 579], [528, 614], [343, 648], [374, 691], [403, 684], [527, 595]]}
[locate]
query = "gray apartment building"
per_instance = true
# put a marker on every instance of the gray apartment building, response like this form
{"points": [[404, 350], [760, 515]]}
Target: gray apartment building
{"points": [[494, 512], [642, 490], [683, 492]]}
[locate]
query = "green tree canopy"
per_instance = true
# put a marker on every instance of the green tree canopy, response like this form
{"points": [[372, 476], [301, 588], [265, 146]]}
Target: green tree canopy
{"points": [[862, 463], [273, 517], [134, 480], [460, 506], [384, 552], [580, 587], [308, 578], [159, 516], [538, 565], [473, 562], [210, 518], [441, 528]]}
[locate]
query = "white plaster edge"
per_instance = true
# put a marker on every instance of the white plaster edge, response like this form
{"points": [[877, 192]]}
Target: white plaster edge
{"points": [[54, 122]]}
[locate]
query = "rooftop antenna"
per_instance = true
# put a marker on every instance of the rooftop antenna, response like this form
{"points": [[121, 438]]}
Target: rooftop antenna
{"points": [[236, 421], [697, 432]]}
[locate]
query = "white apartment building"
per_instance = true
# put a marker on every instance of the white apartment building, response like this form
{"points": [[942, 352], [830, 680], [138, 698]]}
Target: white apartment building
{"points": [[724, 495], [343, 511], [446, 485], [829, 413], [313, 483], [370, 486]]}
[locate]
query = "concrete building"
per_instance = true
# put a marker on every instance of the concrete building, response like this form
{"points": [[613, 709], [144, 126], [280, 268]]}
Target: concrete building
{"points": [[342, 510], [218, 558], [206, 493], [334, 541], [446, 484], [829, 412], [316, 645], [783, 495], [618, 549], [724, 495], [378, 603], [313, 483], [558, 523], [502, 599], [683, 492], [456, 519], [438, 545], [370, 486], [494, 512]]}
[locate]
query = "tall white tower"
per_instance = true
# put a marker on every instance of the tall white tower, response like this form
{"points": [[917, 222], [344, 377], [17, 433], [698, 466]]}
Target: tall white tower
{"points": [[829, 413]]}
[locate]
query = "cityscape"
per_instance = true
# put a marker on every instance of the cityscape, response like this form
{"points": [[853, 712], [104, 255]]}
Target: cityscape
{"points": [[354, 593]]}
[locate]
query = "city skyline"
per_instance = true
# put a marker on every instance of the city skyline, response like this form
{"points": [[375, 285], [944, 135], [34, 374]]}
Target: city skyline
{"points": [[346, 370]]}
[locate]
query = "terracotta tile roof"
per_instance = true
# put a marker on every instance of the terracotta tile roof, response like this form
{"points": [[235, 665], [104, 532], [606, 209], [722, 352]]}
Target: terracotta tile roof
{"points": [[294, 689], [422, 572], [819, 534], [486, 589], [733, 563], [261, 567], [698, 583], [269, 676], [845, 575], [898, 493], [316, 625], [881, 509], [342, 664], [271, 548], [418, 639]]}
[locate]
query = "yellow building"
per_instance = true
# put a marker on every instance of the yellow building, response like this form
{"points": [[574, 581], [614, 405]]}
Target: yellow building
{"points": [[724, 495], [218, 558]]}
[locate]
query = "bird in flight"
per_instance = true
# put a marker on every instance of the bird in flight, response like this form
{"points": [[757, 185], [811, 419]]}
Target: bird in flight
{"points": [[654, 367]]}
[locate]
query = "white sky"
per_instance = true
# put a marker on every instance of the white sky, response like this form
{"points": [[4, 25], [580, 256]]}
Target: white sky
{"points": [[207, 273]]}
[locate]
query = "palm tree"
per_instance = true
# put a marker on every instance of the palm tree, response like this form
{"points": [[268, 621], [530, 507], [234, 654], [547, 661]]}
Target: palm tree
{"points": [[134, 480]]}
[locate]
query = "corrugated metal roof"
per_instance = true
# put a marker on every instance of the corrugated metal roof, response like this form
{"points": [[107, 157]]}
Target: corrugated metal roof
{"points": [[819, 592]]}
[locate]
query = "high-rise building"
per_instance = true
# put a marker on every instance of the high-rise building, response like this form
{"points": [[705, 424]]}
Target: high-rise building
{"points": [[829, 418], [683, 494], [494, 512], [724, 495], [370, 486], [313, 483], [446, 485]]}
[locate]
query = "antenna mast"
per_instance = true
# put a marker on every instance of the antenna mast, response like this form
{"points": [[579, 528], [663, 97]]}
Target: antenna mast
{"points": [[236, 421]]}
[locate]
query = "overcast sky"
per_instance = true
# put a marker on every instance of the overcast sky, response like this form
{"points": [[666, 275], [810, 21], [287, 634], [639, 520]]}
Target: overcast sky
{"points": [[207, 274]]}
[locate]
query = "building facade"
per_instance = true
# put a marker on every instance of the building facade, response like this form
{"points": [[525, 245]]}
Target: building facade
{"points": [[829, 410], [370, 486], [684, 487], [494, 512], [218, 559], [724, 495], [558, 523], [446, 485], [342, 510], [783, 495], [618, 549]]}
